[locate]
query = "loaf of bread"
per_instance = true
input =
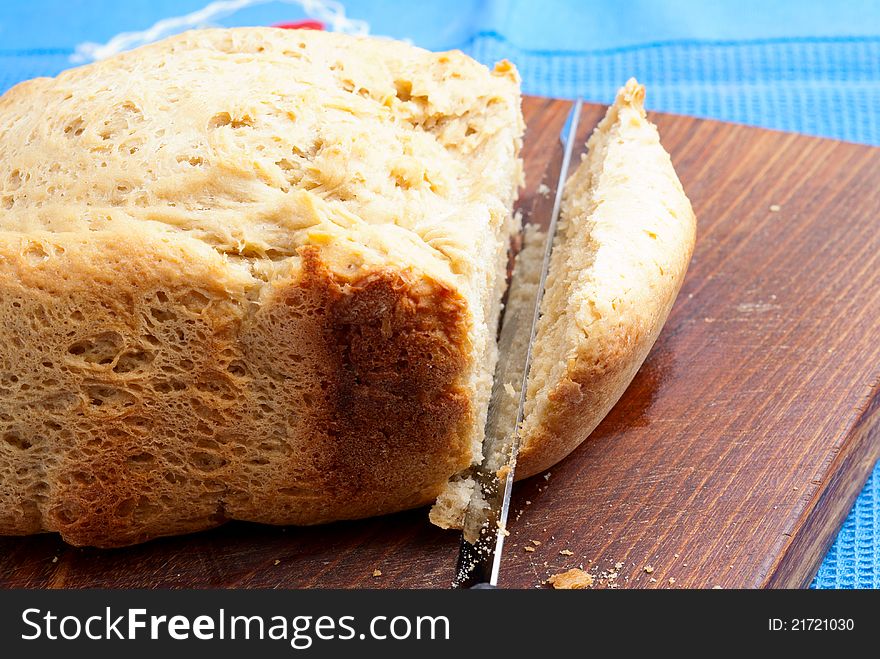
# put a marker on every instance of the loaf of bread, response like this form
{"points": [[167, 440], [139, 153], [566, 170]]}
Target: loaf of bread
{"points": [[256, 274], [248, 274]]}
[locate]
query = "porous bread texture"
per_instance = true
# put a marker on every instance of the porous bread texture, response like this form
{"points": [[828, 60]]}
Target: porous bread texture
{"points": [[248, 274], [451, 506], [625, 239]]}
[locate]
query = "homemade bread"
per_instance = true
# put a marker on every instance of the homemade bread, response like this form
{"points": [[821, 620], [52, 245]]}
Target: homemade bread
{"points": [[248, 274], [256, 274]]}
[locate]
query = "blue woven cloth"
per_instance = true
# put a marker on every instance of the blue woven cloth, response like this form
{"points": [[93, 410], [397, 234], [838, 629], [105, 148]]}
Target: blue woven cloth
{"points": [[811, 67]]}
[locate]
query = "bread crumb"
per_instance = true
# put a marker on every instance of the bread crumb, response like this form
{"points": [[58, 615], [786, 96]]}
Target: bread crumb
{"points": [[54, 559], [529, 548], [566, 552], [537, 543], [377, 573], [618, 565], [574, 579], [276, 562], [544, 190], [547, 477], [775, 208], [510, 390], [671, 580], [649, 569], [653, 580], [717, 588]]}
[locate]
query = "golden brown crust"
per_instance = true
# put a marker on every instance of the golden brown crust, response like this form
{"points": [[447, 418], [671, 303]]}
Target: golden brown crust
{"points": [[331, 400], [589, 391]]}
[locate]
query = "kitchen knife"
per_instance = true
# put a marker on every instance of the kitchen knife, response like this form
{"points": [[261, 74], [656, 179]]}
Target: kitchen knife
{"points": [[483, 534]]}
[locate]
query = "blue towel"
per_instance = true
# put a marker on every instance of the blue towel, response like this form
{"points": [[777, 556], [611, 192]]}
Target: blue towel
{"points": [[811, 67]]}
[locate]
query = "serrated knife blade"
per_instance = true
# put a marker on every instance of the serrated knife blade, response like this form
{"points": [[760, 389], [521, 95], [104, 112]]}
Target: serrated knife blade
{"points": [[479, 558]]}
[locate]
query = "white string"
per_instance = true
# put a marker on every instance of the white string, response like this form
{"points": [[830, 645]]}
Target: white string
{"points": [[330, 12]]}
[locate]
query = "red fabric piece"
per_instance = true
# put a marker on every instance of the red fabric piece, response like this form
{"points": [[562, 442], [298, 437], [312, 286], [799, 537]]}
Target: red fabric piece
{"points": [[301, 25]]}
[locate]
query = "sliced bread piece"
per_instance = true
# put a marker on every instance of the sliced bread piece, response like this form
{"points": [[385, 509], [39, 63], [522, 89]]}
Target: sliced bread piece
{"points": [[622, 249]]}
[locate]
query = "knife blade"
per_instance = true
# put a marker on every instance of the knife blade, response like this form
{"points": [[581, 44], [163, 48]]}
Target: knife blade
{"points": [[484, 530]]}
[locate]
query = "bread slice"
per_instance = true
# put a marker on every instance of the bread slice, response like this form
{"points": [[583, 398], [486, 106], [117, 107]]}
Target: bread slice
{"points": [[624, 242], [248, 274], [625, 238]]}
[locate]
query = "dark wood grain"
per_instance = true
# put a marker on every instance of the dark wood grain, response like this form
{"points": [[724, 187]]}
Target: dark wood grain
{"points": [[735, 455], [731, 460]]}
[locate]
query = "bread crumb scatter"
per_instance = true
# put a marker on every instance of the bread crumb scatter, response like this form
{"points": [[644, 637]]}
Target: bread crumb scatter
{"points": [[573, 579]]}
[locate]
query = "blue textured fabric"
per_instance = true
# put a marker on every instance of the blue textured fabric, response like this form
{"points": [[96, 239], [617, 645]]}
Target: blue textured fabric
{"points": [[854, 559], [805, 66]]}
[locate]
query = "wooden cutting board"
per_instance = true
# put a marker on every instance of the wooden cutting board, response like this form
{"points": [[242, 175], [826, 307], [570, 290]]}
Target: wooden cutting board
{"points": [[732, 459]]}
